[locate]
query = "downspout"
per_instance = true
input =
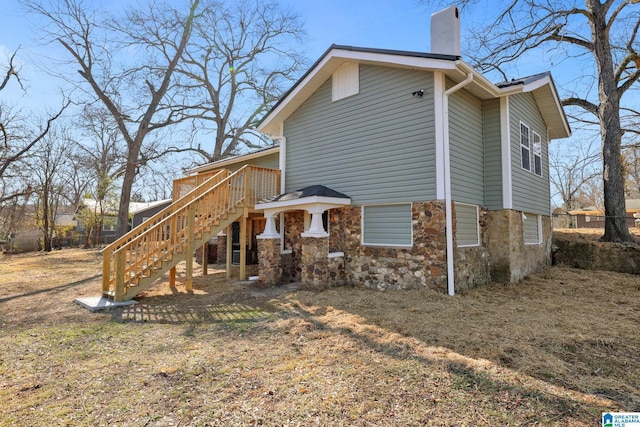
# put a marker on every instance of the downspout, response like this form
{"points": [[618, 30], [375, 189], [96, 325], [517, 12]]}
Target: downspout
{"points": [[447, 182], [282, 164]]}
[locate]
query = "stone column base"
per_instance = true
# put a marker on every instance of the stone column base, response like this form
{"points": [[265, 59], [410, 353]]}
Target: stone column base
{"points": [[315, 262], [269, 261]]}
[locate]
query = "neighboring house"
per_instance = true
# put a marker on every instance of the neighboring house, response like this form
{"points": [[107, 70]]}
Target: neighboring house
{"points": [[396, 170], [139, 212], [431, 175], [592, 217]]}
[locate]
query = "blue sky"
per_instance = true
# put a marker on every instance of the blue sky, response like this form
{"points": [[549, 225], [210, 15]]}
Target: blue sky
{"points": [[397, 24], [388, 24]]}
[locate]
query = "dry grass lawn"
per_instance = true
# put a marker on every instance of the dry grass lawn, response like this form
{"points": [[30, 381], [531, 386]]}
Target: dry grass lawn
{"points": [[557, 349]]}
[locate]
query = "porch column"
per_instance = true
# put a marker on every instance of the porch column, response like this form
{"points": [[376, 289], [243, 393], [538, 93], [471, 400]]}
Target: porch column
{"points": [[315, 262], [269, 261], [269, 256]]}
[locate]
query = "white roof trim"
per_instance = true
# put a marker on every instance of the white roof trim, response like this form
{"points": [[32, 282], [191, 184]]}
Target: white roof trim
{"points": [[456, 70], [304, 202]]}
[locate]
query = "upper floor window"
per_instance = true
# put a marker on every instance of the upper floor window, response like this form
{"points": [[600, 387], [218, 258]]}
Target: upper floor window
{"points": [[345, 81], [525, 147], [537, 154]]}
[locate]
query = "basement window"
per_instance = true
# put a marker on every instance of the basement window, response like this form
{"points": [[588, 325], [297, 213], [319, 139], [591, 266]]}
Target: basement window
{"points": [[532, 225], [387, 225], [467, 225]]}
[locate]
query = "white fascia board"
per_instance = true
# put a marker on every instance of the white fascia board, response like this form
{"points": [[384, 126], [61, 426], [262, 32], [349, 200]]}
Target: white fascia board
{"points": [[394, 60], [479, 80], [305, 202]]}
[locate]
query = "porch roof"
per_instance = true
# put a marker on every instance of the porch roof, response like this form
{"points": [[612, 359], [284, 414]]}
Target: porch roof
{"points": [[305, 197]]}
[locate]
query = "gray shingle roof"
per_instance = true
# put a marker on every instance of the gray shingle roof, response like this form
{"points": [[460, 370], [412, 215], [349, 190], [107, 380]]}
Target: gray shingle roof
{"points": [[310, 191]]}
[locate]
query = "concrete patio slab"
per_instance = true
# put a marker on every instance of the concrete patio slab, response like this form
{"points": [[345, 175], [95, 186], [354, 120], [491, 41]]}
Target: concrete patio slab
{"points": [[94, 304]]}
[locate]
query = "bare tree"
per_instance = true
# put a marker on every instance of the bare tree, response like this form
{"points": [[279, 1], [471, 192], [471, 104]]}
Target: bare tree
{"points": [[134, 94], [605, 34], [47, 166], [20, 134], [572, 169], [238, 63]]}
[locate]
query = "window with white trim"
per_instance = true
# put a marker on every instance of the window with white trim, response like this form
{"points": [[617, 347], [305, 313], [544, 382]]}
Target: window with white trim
{"points": [[525, 147], [537, 154], [532, 225], [467, 225], [387, 225], [345, 81]]}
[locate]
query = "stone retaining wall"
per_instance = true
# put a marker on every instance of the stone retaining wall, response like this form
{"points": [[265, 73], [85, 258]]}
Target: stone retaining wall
{"points": [[619, 257]]}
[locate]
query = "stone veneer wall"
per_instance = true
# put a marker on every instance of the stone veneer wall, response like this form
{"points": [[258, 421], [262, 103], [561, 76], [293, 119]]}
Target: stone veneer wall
{"points": [[511, 259], [423, 265], [315, 262], [270, 270], [294, 227], [472, 263]]}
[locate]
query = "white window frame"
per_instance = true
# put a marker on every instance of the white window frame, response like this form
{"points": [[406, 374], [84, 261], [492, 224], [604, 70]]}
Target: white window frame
{"points": [[385, 245], [537, 153], [525, 144], [539, 226], [475, 245]]}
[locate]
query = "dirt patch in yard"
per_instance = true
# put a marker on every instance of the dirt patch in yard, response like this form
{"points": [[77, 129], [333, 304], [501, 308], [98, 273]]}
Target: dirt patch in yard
{"points": [[557, 349]]}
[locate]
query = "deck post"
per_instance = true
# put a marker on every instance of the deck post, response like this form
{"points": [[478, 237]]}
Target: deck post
{"points": [[243, 244], [106, 271], [172, 277], [118, 294], [191, 217], [205, 259], [229, 250]]}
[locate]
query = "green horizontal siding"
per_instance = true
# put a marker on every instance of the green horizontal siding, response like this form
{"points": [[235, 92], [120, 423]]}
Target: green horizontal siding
{"points": [[531, 193], [377, 146], [387, 225], [492, 154], [466, 147]]}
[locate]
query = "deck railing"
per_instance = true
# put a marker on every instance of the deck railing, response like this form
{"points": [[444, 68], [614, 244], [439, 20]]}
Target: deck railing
{"points": [[182, 186], [173, 230]]}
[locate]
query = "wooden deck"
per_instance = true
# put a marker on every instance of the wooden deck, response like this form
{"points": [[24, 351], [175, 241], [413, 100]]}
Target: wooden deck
{"points": [[203, 206]]}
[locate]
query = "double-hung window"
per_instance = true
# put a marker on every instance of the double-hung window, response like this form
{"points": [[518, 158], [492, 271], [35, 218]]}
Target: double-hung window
{"points": [[525, 147], [537, 154]]}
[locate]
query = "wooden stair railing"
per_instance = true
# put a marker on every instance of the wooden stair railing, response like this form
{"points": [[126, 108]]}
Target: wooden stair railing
{"points": [[140, 257]]}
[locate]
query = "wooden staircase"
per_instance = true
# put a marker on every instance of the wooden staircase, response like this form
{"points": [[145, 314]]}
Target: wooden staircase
{"points": [[204, 205]]}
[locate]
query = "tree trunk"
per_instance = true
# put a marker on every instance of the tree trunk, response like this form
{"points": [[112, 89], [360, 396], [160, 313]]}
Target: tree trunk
{"points": [[125, 195], [615, 226], [45, 218]]}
